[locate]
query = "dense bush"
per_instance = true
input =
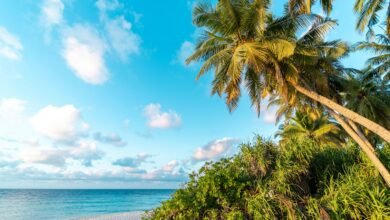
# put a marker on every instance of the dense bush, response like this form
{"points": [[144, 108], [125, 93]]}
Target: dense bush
{"points": [[296, 180]]}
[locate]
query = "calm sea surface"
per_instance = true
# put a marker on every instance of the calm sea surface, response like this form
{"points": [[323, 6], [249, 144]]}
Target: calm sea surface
{"points": [[42, 204]]}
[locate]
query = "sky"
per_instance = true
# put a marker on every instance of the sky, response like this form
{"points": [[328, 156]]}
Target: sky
{"points": [[95, 94]]}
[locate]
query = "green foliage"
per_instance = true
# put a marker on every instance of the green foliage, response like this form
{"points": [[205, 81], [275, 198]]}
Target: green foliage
{"points": [[313, 125], [295, 180]]}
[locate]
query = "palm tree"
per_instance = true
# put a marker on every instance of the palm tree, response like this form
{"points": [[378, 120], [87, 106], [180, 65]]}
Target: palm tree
{"points": [[314, 125], [304, 6], [245, 43], [367, 94], [381, 61], [322, 74], [368, 14]]}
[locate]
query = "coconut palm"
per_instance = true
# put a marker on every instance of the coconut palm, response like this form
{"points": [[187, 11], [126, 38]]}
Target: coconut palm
{"points": [[367, 94], [245, 43], [304, 6], [381, 61], [324, 74], [368, 11], [313, 125]]}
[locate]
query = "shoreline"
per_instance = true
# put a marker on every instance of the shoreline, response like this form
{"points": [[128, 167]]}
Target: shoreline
{"points": [[133, 215]]}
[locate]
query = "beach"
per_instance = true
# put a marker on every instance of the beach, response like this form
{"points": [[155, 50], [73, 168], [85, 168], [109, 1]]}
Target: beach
{"points": [[116, 216]]}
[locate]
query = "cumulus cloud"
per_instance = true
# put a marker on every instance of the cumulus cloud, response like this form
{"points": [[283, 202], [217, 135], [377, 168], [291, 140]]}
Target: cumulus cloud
{"points": [[132, 162], [170, 166], [159, 119], [172, 171], [85, 152], [123, 175], [83, 51], [59, 123], [53, 157], [12, 106], [214, 149], [107, 5], [13, 119], [7, 163], [29, 142], [268, 113], [186, 50], [121, 37], [10, 46], [270, 116], [52, 12], [113, 139]]}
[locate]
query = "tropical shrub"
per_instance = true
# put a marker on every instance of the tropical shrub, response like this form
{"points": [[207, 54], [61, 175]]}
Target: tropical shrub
{"points": [[295, 180]]}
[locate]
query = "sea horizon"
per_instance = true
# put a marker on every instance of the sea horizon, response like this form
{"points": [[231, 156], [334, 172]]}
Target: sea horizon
{"points": [[23, 204], [5, 188]]}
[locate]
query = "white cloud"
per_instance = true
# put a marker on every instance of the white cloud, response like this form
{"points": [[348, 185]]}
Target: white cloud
{"points": [[186, 50], [52, 12], [59, 123], [132, 162], [12, 106], [84, 151], [170, 167], [107, 5], [84, 53], [29, 142], [158, 119], [10, 46], [53, 157], [214, 149], [268, 113], [269, 116], [13, 120], [122, 39], [172, 171], [39, 164], [87, 152], [8, 164], [113, 139]]}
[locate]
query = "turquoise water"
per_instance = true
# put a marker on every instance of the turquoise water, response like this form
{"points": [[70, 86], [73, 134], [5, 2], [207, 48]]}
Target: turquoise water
{"points": [[42, 204]]}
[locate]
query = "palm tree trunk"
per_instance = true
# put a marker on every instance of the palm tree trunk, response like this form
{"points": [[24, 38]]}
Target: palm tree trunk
{"points": [[353, 116], [370, 154], [361, 135]]}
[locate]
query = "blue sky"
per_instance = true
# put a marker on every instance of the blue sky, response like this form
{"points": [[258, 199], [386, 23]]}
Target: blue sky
{"points": [[95, 94]]}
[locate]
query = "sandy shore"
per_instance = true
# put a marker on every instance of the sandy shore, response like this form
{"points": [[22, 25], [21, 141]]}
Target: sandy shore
{"points": [[116, 216]]}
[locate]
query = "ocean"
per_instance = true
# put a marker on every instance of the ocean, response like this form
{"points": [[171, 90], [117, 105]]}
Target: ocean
{"points": [[59, 204]]}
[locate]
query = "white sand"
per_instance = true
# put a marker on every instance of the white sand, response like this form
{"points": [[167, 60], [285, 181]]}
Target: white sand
{"points": [[117, 216]]}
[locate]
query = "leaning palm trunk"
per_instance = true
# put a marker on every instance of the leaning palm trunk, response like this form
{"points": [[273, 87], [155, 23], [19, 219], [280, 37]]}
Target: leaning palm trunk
{"points": [[366, 149], [360, 133], [353, 116]]}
